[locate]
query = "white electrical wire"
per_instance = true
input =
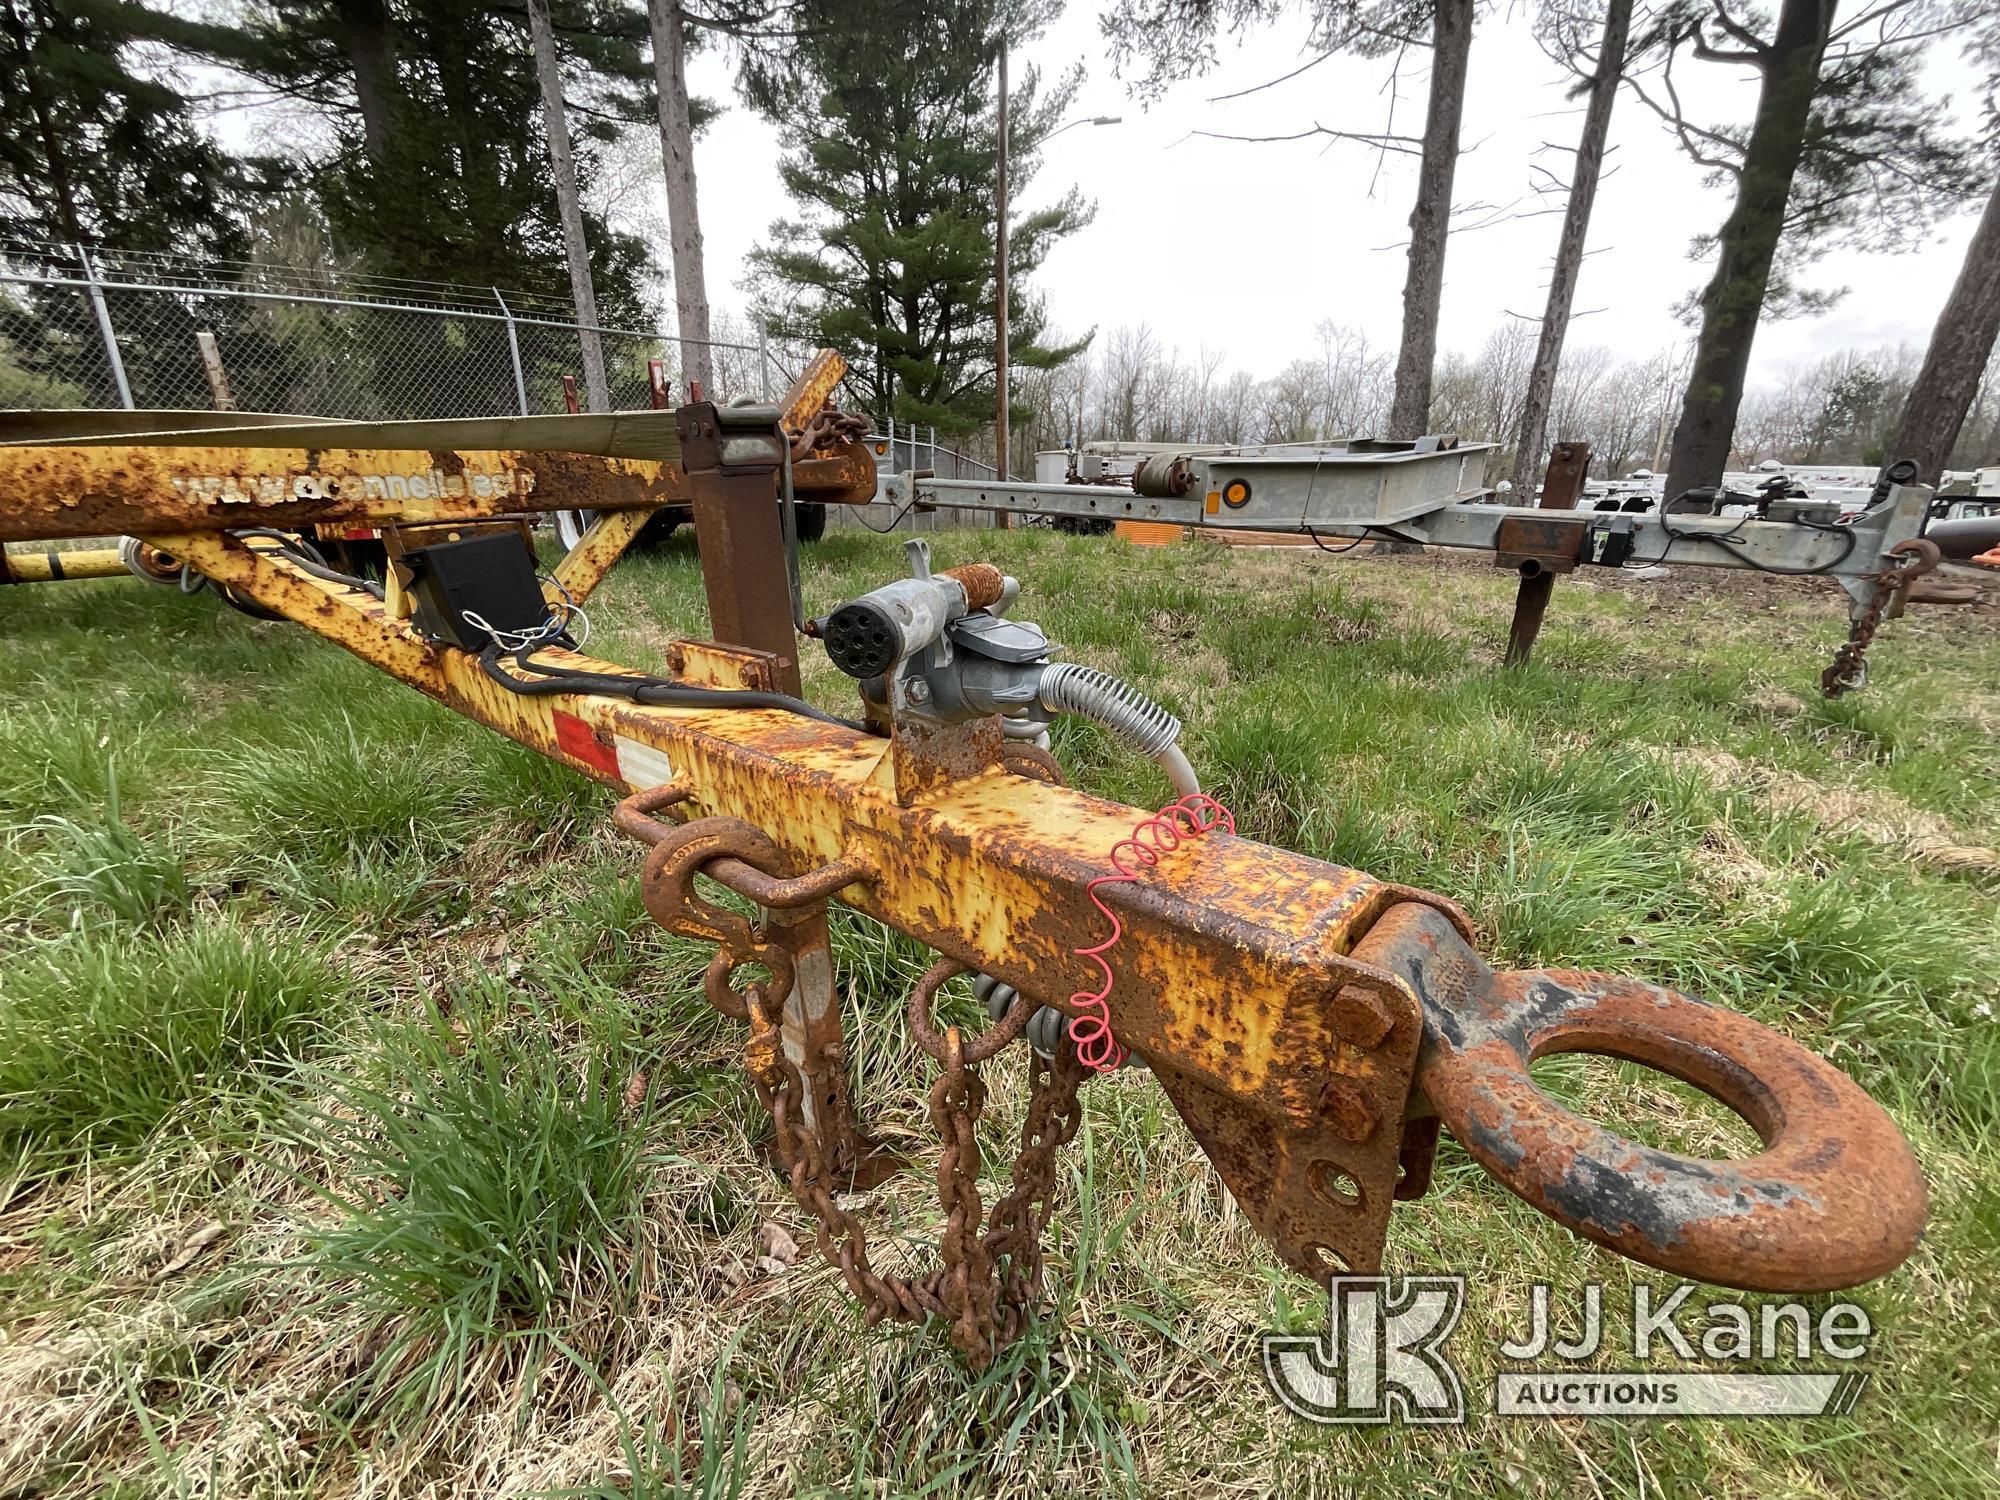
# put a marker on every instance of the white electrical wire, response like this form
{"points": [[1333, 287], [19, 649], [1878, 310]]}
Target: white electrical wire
{"points": [[564, 618]]}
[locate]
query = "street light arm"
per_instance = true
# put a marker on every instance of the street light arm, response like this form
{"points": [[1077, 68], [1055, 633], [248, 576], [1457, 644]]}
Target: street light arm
{"points": [[1072, 124]]}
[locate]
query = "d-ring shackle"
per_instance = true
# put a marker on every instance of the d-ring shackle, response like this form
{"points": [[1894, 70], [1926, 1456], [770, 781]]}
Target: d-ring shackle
{"points": [[1834, 1199]]}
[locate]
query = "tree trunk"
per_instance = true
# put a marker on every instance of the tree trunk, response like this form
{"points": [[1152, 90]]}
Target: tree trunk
{"points": [[371, 53], [1569, 247], [1961, 344], [1430, 220], [1748, 244], [555, 124], [683, 216], [1002, 427]]}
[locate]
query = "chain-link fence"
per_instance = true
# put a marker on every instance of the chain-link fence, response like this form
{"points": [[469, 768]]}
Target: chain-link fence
{"points": [[898, 449], [101, 328]]}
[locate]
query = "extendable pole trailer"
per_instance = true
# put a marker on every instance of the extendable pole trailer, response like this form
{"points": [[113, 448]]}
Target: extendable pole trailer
{"points": [[1315, 1026], [1432, 491]]}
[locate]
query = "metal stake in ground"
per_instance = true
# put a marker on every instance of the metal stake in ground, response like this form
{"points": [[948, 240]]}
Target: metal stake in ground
{"points": [[1569, 463]]}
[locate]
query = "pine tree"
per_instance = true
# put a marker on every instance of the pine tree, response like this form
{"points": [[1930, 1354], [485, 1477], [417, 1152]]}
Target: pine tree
{"points": [[97, 150], [94, 151], [885, 110], [440, 168]]}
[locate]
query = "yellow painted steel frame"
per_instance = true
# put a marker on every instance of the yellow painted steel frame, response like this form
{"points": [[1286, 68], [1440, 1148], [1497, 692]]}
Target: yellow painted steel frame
{"points": [[53, 491], [1288, 1007], [1233, 972], [52, 566]]}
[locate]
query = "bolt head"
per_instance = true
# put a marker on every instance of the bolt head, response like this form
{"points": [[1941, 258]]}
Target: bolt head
{"points": [[1360, 1018], [920, 691], [1345, 1111]]}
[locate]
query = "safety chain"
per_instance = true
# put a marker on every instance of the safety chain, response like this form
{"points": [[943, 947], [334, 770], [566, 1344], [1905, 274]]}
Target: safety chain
{"points": [[989, 1281], [828, 427], [988, 1284], [1848, 671]]}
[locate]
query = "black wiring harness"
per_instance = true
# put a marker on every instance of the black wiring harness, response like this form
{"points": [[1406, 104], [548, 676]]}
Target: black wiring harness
{"points": [[1732, 539], [660, 692], [546, 678], [1368, 534], [307, 558]]}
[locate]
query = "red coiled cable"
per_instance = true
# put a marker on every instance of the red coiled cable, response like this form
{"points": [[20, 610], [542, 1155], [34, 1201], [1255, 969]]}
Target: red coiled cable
{"points": [[1164, 832]]}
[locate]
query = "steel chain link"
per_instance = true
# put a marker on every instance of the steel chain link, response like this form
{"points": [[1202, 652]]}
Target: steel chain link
{"points": [[988, 1283], [1848, 671]]}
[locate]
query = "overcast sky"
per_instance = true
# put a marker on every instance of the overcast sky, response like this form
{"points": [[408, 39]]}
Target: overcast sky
{"points": [[1244, 247]]}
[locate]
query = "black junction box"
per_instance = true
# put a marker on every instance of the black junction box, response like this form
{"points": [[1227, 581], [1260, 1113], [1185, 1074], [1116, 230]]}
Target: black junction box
{"points": [[493, 576], [1612, 540]]}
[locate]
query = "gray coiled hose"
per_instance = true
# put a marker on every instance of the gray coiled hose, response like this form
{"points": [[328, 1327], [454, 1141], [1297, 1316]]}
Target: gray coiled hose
{"points": [[1140, 724], [1132, 718]]}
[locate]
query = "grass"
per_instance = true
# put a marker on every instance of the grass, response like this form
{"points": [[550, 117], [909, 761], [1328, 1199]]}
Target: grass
{"points": [[108, 1036], [492, 1196], [359, 1134]]}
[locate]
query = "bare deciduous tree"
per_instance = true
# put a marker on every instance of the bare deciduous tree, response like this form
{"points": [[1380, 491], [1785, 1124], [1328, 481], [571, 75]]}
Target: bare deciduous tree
{"points": [[1171, 35], [1844, 143], [1564, 35], [1960, 349]]}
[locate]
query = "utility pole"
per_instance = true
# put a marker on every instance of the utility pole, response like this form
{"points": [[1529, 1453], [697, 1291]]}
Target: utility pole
{"points": [[1000, 295]]}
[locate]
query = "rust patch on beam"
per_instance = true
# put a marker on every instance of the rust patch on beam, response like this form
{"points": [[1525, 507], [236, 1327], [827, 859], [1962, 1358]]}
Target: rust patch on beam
{"points": [[80, 491]]}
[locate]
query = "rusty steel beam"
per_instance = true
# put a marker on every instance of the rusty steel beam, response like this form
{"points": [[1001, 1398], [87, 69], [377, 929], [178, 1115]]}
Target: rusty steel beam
{"points": [[81, 490], [583, 567], [841, 475], [78, 489], [810, 393], [1562, 486], [1312, 1024], [742, 543], [646, 435], [991, 871]]}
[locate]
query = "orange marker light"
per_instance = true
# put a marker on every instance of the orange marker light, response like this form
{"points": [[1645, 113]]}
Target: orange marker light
{"points": [[1213, 503], [1236, 494]]}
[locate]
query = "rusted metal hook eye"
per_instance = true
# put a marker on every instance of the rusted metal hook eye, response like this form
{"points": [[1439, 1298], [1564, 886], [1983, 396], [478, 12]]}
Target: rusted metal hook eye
{"points": [[1834, 1199], [634, 815], [988, 1042]]}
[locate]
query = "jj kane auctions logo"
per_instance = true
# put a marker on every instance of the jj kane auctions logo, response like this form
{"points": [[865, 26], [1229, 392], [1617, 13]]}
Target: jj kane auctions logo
{"points": [[1383, 1357]]}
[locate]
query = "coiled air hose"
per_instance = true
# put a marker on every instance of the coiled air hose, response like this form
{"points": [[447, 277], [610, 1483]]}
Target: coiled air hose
{"points": [[1124, 712]]}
